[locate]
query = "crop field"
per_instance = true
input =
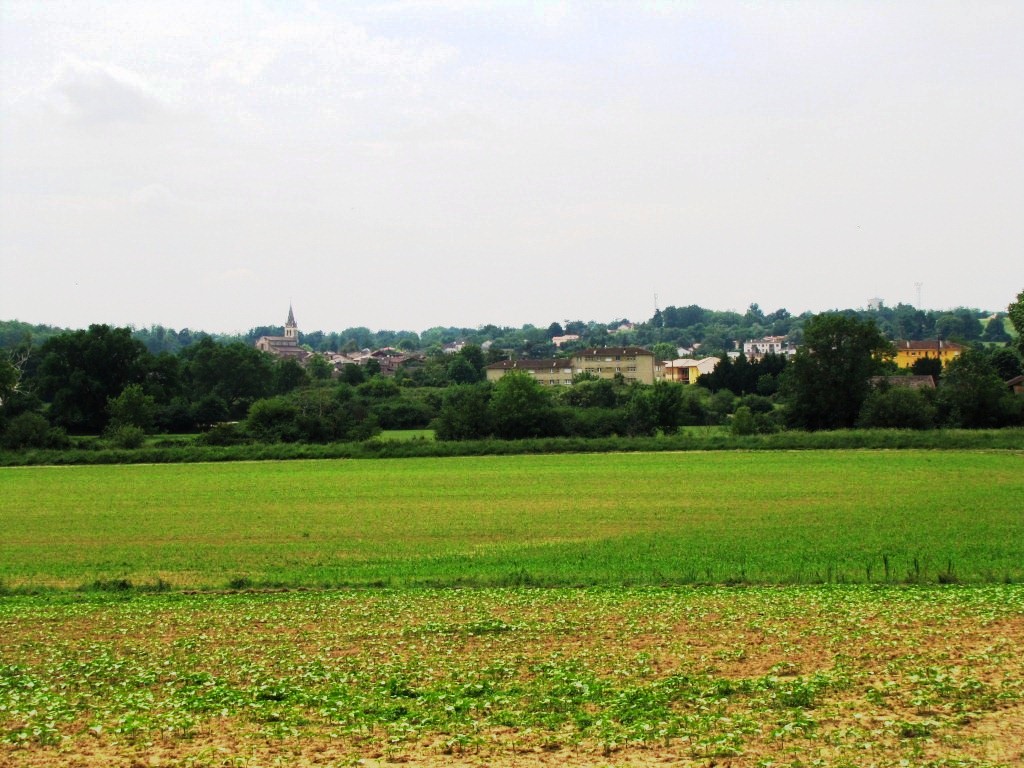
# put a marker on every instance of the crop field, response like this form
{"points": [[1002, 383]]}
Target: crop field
{"points": [[563, 520], [811, 608], [852, 675]]}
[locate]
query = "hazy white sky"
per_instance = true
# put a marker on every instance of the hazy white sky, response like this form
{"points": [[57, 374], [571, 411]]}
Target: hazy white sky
{"points": [[409, 164]]}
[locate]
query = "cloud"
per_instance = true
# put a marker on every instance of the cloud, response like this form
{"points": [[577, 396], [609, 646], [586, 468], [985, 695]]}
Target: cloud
{"points": [[92, 92]]}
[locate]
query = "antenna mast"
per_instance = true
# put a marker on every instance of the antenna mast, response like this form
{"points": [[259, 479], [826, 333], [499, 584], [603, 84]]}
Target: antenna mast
{"points": [[918, 287]]}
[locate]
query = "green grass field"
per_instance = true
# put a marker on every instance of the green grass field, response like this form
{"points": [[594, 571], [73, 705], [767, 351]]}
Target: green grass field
{"points": [[566, 520]]}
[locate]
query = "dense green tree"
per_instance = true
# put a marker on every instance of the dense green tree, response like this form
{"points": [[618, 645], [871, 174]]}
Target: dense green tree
{"points": [[465, 412], [973, 396], [461, 371], [641, 412], [521, 408], [133, 407], [927, 366], [319, 369], [897, 408], [828, 380], [995, 331], [80, 371], [1006, 362], [236, 373], [667, 398], [591, 392], [289, 375], [1016, 314], [32, 430]]}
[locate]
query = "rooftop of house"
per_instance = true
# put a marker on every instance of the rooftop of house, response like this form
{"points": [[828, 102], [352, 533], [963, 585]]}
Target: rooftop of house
{"points": [[927, 344], [910, 382], [606, 351], [531, 365]]}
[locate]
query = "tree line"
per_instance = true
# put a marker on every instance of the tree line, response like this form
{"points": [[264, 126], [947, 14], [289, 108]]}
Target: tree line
{"points": [[106, 381]]}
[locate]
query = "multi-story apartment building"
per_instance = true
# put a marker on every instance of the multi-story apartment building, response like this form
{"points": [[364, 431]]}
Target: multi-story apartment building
{"points": [[633, 363], [909, 352]]}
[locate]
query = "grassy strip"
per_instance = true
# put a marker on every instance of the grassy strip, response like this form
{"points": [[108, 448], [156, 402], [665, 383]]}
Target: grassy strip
{"points": [[1003, 439]]}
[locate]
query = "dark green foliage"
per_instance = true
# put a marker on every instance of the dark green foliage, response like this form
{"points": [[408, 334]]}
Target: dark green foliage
{"points": [[520, 408], [289, 375], [314, 415], [133, 407], [1006, 362], [467, 365], [404, 413], [995, 330], [379, 388], [592, 392], [464, 413], [80, 372], [126, 436], [1016, 314], [236, 373], [973, 396], [223, 434], [828, 380], [352, 374], [741, 376], [743, 422], [898, 408], [927, 366], [273, 420], [31, 430]]}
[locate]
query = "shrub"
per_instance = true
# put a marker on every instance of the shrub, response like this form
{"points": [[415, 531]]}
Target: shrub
{"points": [[32, 430], [126, 436], [222, 434], [897, 408], [743, 421]]}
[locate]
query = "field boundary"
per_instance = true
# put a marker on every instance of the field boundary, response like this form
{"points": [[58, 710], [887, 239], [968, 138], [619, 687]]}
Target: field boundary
{"points": [[881, 439]]}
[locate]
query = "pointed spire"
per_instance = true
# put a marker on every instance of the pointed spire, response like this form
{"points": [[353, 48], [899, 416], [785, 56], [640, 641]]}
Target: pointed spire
{"points": [[291, 315]]}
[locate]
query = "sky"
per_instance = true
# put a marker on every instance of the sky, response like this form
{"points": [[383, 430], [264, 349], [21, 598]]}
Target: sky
{"points": [[411, 164]]}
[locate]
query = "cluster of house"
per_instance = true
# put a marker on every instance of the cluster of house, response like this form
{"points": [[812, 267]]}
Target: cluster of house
{"points": [[633, 364], [287, 347]]}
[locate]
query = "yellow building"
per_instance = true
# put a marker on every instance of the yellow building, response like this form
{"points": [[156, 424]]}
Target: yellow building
{"points": [[550, 373], [633, 363], [909, 352], [688, 371]]}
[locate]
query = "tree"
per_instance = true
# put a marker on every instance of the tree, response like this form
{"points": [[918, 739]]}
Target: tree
{"points": [[664, 351], [520, 408], [1016, 314], [79, 372], [927, 366], [897, 408], [236, 373], [1006, 362], [132, 408], [32, 430], [464, 413], [319, 369], [995, 330], [828, 380], [972, 396]]}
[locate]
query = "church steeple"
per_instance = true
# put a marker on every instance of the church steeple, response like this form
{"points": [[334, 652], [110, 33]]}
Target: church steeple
{"points": [[291, 330]]}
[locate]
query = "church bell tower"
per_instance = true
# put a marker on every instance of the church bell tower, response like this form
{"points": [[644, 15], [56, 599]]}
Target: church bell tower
{"points": [[291, 330]]}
